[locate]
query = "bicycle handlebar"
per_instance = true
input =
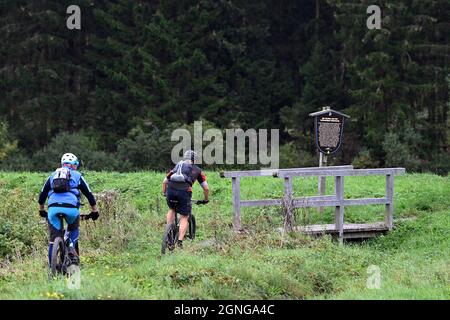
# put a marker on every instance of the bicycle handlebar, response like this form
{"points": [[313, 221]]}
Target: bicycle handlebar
{"points": [[200, 202], [196, 202], [85, 216]]}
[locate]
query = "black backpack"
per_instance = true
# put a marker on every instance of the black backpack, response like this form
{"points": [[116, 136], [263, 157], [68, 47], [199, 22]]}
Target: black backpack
{"points": [[61, 180]]}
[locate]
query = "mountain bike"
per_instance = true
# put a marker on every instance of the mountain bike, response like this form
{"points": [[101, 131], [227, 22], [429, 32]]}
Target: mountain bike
{"points": [[61, 260], [170, 236]]}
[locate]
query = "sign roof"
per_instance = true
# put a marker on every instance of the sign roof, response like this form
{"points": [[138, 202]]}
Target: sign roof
{"points": [[319, 113]]}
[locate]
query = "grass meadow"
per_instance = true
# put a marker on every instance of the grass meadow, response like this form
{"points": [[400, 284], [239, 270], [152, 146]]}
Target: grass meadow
{"points": [[121, 259]]}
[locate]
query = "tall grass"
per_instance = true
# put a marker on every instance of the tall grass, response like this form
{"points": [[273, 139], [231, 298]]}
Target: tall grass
{"points": [[120, 252]]}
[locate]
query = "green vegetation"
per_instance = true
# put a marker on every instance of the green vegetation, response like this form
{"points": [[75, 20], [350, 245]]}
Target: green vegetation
{"points": [[114, 91], [121, 251], [137, 69]]}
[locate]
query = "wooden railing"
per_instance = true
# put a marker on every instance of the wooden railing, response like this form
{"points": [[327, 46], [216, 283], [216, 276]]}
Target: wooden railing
{"points": [[336, 200]]}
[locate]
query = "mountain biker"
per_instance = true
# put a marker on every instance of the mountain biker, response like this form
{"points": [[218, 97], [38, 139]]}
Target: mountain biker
{"points": [[177, 188], [66, 203]]}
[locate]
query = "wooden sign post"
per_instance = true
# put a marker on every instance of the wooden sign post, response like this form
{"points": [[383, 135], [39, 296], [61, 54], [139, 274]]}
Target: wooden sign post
{"points": [[329, 129]]}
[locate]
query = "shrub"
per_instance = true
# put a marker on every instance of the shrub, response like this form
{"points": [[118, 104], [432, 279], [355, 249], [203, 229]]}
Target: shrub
{"points": [[6, 145], [84, 147], [440, 164], [116, 227], [364, 160], [16, 161], [144, 151], [21, 229], [398, 153], [292, 157]]}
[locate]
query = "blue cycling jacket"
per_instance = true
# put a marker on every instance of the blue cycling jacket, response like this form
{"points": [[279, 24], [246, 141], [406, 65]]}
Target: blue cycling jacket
{"points": [[72, 198]]}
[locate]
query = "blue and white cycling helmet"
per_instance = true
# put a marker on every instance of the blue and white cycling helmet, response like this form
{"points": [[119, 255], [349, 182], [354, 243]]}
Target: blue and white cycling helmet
{"points": [[70, 158]]}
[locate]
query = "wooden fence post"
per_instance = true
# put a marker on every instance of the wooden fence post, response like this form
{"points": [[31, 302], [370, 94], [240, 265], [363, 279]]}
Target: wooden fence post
{"points": [[339, 210], [390, 201], [288, 222], [236, 189], [322, 180]]}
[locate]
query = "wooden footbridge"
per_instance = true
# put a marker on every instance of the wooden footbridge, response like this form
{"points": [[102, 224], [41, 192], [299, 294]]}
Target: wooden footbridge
{"points": [[339, 229]]}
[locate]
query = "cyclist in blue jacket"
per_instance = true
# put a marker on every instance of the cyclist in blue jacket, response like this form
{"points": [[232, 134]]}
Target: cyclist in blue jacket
{"points": [[63, 189]]}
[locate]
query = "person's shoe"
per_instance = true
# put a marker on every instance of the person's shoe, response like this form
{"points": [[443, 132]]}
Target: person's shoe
{"points": [[180, 244], [74, 258]]}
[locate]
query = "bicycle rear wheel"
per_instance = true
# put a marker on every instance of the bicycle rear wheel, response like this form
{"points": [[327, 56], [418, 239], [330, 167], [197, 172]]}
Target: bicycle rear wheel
{"points": [[58, 254], [192, 227], [169, 238]]}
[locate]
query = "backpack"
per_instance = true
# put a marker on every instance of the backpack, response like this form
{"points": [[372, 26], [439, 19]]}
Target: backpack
{"points": [[61, 180], [178, 176]]}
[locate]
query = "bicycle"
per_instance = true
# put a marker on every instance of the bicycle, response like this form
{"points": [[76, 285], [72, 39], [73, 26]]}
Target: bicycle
{"points": [[170, 236], [61, 261]]}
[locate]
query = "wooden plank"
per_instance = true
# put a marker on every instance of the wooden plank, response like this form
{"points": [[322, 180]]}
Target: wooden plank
{"points": [[261, 203], [363, 234], [247, 173], [317, 168], [332, 201], [284, 172], [315, 203], [347, 228], [343, 172], [360, 227], [364, 201], [339, 210], [272, 172], [390, 202], [316, 198], [235, 185]]}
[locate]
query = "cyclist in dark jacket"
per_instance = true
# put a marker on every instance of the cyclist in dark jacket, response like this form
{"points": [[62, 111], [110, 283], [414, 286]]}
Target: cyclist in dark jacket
{"points": [[177, 187], [66, 203]]}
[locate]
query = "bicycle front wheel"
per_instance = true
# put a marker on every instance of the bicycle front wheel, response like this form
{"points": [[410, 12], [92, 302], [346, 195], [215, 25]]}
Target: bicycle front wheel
{"points": [[169, 238], [58, 254]]}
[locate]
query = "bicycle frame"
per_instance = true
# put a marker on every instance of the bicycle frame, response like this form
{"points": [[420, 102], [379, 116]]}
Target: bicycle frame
{"points": [[61, 248], [190, 220], [177, 222], [64, 231], [190, 231]]}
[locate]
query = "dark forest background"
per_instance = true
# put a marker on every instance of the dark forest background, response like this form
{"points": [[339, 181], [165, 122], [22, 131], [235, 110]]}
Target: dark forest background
{"points": [[113, 92]]}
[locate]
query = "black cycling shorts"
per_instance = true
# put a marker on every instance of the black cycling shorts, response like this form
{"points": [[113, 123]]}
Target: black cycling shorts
{"points": [[179, 200]]}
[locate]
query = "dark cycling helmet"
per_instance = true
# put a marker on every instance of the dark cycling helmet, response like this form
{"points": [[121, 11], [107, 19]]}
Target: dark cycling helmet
{"points": [[190, 155]]}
